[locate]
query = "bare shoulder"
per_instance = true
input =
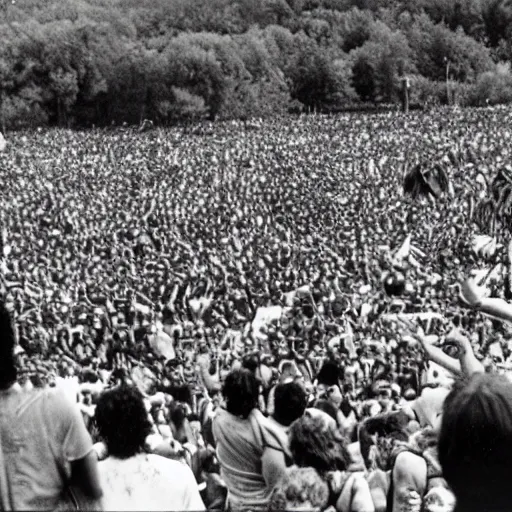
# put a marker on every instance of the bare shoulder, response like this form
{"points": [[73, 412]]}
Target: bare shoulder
{"points": [[410, 466]]}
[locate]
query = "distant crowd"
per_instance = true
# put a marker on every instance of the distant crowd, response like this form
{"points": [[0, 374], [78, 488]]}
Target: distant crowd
{"points": [[261, 303]]}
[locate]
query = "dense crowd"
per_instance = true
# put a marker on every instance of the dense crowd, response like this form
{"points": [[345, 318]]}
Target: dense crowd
{"points": [[268, 288]]}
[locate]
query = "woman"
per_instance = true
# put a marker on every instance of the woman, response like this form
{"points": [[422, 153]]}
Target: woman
{"points": [[245, 442], [319, 445], [131, 478], [45, 449], [475, 443]]}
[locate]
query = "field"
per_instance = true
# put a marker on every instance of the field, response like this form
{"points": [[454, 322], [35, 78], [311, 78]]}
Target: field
{"points": [[236, 215]]}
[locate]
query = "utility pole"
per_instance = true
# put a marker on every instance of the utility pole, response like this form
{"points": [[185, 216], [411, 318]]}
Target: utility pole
{"points": [[447, 61], [406, 85]]}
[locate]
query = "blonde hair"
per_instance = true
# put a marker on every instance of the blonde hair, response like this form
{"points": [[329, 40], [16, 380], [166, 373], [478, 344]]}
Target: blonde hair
{"points": [[298, 488]]}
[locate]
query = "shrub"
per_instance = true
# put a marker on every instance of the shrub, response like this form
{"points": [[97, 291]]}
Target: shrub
{"points": [[493, 87]]}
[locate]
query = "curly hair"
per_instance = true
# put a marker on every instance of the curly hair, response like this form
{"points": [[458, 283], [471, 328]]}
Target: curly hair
{"points": [[8, 371], [299, 487], [313, 443], [241, 391], [387, 425], [122, 421], [475, 443]]}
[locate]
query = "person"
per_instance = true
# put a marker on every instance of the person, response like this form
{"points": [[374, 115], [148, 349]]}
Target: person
{"points": [[131, 478], [288, 373], [475, 443], [46, 454], [241, 434], [320, 445], [299, 489], [290, 405]]}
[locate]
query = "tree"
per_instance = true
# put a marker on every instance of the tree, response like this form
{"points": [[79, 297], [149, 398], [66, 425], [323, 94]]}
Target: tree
{"points": [[64, 84], [380, 63], [433, 44]]}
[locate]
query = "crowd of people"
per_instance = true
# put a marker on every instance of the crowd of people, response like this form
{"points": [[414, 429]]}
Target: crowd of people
{"points": [[254, 316]]}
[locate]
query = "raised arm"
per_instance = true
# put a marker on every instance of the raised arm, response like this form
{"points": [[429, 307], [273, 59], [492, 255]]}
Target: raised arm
{"points": [[474, 296]]}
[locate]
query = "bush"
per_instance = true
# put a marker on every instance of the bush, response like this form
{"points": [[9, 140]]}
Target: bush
{"points": [[493, 87], [23, 113]]}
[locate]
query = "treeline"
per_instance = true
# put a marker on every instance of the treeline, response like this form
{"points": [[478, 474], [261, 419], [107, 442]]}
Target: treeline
{"points": [[84, 62]]}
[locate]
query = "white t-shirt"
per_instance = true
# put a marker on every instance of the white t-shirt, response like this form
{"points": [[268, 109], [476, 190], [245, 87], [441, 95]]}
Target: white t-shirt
{"points": [[41, 432], [148, 482]]}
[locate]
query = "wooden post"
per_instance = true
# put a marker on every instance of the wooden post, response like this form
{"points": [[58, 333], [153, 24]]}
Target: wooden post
{"points": [[405, 94]]}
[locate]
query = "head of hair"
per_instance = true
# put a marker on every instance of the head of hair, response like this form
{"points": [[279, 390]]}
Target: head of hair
{"points": [[178, 414], [299, 487], [8, 371], [329, 374], [475, 442], [193, 417], [288, 369], [251, 362], [241, 390], [389, 425], [122, 406], [327, 407], [182, 394], [290, 402], [316, 444]]}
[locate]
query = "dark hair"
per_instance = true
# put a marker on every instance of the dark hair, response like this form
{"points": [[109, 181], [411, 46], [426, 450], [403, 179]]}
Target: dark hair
{"points": [[313, 443], [241, 391], [391, 425], [8, 371], [475, 443], [251, 362], [327, 407], [290, 402], [288, 367], [122, 420], [330, 374], [178, 414]]}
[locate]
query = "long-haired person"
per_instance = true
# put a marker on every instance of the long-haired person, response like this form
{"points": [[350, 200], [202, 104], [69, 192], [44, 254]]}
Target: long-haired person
{"points": [[248, 444], [131, 478], [45, 449], [475, 443], [299, 490], [318, 444]]}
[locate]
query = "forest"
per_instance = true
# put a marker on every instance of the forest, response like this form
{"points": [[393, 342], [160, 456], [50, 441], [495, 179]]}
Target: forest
{"points": [[79, 63]]}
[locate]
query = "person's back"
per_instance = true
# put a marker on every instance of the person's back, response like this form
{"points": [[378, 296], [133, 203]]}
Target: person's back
{"points": [[45, 448], [145, 482], [131, 478], [240, 451], [41, 434], [239, 432]]}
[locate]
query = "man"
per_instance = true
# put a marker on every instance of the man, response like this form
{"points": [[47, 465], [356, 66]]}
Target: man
{"points": [[45, 448], [290, 404], [288, 372]]}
